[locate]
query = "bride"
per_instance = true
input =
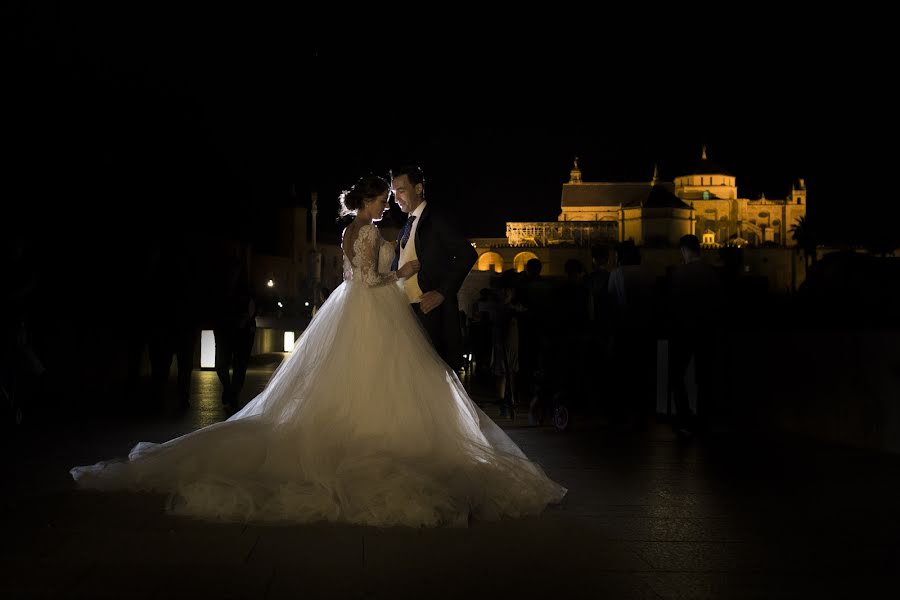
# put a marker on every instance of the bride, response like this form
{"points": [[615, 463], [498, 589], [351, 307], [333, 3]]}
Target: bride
{"points": [[362, 422]]}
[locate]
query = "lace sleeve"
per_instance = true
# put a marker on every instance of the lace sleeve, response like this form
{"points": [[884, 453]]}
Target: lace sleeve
{"points": [[365, 257]]}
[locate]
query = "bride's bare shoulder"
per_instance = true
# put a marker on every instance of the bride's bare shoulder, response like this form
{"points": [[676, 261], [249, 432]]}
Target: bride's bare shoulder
{"points": [[350, 231]]}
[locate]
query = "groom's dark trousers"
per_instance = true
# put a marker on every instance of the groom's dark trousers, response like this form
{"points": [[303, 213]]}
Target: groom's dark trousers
{"points": [[446, 338]]}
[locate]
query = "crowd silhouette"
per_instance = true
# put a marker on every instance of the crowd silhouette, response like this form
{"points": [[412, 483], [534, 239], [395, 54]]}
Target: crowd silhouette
{"points": [[592, 340], [589, 342]]}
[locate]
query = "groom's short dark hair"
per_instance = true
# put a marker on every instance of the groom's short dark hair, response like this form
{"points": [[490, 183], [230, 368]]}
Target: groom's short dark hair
{"points": [[413, 172]]}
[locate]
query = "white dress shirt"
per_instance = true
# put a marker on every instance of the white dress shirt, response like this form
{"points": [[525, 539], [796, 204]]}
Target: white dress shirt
{"points": [[411, 284]]}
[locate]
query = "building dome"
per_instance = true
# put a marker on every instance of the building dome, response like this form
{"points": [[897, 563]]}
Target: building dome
{"points": [[706, 181], [704, 166]]}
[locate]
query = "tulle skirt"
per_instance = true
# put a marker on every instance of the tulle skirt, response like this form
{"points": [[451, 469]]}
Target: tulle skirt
{"points": [[362, 423]]}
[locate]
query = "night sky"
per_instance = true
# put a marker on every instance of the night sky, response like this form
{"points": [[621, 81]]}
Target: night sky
{"points": [[199, 124]]}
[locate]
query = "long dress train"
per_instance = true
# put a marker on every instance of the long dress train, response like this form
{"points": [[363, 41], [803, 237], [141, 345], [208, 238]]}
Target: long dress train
{"points": [[361, 423]]}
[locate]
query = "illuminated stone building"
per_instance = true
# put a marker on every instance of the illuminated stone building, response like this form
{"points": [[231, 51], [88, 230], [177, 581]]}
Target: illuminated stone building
{"points": [[654, 214], [705, 202]]}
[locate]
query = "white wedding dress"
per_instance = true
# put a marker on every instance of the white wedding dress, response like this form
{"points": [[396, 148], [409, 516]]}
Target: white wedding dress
{"points": [[362, 423]]}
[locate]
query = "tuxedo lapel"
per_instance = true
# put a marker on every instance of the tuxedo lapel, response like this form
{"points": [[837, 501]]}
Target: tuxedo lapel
{"points": [[423, 222]]}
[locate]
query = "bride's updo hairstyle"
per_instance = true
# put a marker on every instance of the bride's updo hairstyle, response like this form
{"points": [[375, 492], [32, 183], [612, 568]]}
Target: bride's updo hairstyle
{"points": [[367, 188]]}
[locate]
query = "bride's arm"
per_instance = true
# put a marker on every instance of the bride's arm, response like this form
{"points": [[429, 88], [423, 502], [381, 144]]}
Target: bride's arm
{"points": [[366, 249]]}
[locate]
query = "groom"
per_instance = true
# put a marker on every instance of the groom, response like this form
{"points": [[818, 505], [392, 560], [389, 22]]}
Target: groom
{"points": [[446, 258]]}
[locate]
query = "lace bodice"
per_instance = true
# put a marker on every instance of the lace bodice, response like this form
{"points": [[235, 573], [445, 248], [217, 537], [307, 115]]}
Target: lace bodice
{"points": [[372, 258]]}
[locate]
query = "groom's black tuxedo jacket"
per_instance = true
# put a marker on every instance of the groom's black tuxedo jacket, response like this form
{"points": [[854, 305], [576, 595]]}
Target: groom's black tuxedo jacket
{"points": [[446, 257]]}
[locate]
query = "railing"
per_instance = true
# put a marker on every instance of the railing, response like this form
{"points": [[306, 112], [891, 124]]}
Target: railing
{"points": [[576, 233]]}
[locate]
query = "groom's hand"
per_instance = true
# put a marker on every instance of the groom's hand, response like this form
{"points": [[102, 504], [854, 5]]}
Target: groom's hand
{"points": [[430, 301]]}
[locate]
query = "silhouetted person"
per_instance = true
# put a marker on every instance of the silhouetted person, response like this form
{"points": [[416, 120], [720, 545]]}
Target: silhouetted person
{"points": [[173, 326], [600, 316], [480, 333], [535, 326], [568, 358], [537, 296], [18, 280], [632, 289], [573, 299], [20, 367], [597, 282], [695, 305], [141, 315], [235, 330]]}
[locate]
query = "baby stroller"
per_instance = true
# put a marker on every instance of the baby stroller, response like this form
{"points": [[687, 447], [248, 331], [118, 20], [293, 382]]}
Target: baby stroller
{"points": [[560, 388]]}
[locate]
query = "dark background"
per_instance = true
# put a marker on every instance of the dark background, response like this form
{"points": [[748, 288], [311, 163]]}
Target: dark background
{"points": [[132, 119]]}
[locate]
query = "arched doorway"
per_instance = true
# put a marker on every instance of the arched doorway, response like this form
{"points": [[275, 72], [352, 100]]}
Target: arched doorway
{"points": [[490, 261], [521, 259]]}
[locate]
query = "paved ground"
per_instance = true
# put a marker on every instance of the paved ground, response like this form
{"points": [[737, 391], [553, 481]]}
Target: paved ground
{"points": [[647, 516]]}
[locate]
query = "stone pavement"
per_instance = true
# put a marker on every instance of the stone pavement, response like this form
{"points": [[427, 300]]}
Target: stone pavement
{"points": [[647, 516]]}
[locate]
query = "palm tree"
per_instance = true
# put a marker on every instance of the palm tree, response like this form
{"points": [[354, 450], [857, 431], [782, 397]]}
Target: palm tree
{"points": [[805, 235]]}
